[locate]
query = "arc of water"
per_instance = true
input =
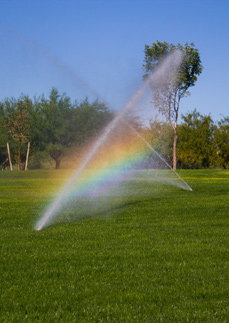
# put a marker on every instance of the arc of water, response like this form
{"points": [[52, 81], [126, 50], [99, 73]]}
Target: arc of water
{"points": [[151, 148], [154, 80], [50, 213]]}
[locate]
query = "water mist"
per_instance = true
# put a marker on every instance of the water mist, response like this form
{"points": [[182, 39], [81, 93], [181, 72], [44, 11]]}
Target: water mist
{"points": [[157, 79]]}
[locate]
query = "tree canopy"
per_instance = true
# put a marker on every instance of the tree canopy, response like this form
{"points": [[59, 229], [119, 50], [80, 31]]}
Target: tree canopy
{"points": [[196, 141], [55, 125], [59, 130], [167, 98]]}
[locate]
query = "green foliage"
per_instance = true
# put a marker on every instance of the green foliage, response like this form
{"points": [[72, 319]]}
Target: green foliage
{"points": [[160, 137], [90, 118], [41, 160], [17, 121], [3, 136], [202, 143], [65, 125], [167, 97], [56, 117], [190, 68], [158, 258], [57, 125], [59, 132], [221, 142], [196, 141]]}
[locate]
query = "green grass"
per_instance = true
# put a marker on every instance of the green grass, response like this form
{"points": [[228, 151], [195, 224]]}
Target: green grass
{"points": [[158, 257]]}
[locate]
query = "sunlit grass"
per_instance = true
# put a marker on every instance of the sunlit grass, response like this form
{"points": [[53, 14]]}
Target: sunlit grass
{"points": [[152, 257]]}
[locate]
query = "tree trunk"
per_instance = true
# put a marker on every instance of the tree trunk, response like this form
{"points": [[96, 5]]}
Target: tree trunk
{"points": [[57, 163], [19, 157], [8, 149], [175, 149]]}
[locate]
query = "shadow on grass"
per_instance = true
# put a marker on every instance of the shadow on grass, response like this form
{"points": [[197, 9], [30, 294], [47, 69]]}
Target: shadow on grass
{"points": [[84, 210]]}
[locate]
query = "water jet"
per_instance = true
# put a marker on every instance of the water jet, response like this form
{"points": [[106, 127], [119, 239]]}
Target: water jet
{"points": [[156, 80]]}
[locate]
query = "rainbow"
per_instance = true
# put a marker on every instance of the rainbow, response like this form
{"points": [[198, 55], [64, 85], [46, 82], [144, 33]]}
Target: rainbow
{"points": [[112, 164], [118, 149], [105, 169]]}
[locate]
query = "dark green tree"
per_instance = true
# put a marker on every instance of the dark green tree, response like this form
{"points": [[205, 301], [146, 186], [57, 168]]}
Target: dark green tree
{"points": [[167, 98], [58, 127], [195, 147], [90, 119], [38, 123], [55, 118], [67, 126]]}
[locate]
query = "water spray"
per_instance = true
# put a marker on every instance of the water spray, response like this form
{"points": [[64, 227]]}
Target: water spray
{"points": [[154, 81], [152, 149]]}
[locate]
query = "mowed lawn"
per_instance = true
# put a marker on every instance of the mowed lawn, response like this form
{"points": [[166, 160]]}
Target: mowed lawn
{"points": [[155, 257]]}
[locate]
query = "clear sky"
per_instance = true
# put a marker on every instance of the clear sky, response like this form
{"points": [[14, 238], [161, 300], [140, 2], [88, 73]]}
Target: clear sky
{"points": [[96, 47]]}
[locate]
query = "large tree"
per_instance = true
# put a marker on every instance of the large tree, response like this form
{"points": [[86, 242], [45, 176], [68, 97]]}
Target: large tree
{"points": [[55, 123], [66, 126], [167, 97]]}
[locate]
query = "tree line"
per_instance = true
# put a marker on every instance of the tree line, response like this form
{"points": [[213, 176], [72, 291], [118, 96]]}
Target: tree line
{"points": [[56, 128], [201, 142]]}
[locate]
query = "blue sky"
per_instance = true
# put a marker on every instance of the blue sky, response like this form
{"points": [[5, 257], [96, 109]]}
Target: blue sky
{"points": [[96, 48]]}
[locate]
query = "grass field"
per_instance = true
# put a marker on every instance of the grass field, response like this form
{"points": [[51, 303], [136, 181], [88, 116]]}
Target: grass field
{"points": [[158, 257]]}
